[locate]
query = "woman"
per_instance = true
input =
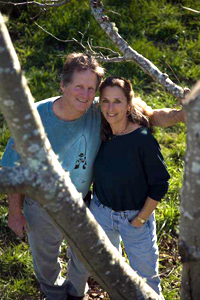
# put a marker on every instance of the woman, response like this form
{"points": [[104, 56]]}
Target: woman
{"points": [[130, 178]]}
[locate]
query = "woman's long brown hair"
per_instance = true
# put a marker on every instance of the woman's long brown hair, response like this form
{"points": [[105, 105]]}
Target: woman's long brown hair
{"points": [[139, 112]]}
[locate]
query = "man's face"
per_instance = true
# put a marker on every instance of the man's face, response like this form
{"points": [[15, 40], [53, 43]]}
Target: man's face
{"points": [[80, 92]]}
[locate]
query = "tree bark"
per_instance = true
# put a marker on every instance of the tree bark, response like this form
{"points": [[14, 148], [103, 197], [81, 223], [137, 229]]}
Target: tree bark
{"points": [[50, 182], [189, 241], [131, 55]]}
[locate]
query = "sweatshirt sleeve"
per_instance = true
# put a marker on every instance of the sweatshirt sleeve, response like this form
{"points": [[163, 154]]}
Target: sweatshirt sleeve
{"points": [[10, 156], [154, 167]]}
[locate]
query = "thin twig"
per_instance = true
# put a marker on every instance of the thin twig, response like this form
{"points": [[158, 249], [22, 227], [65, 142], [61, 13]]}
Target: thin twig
{"points": [[60, 40], [90, 46], [38, 14], [192, 10], [99, 55], [173, 72], [104, 48], [112, 11], [83, 34], [37, 3]]}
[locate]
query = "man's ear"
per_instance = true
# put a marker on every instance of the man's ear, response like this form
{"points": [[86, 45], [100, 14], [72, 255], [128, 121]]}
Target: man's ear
{"points": [[62, 86]]}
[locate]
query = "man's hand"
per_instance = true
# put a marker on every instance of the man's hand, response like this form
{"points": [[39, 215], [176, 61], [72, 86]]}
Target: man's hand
{"points": [[17, 222]]}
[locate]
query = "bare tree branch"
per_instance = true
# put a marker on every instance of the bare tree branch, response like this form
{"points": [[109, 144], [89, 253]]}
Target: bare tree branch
{"points": [[129, 54], [112, 59], [84, 33], [53, 188], [12, 180], [52, 3], [147, 66], [92, 47], [112, 12], [192, 10], [64, 41]]}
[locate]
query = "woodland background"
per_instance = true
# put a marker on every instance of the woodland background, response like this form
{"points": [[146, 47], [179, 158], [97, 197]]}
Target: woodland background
{"points": [[162, 31]]}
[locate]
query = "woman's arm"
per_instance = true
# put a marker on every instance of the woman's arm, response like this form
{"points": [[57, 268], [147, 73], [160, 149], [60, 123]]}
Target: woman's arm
{"points": [[149, 206], [156, 174], [167, 117]]}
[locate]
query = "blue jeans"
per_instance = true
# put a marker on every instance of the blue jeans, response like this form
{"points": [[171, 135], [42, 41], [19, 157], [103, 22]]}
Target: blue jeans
{"points": [[45, 242], [140, 243]]}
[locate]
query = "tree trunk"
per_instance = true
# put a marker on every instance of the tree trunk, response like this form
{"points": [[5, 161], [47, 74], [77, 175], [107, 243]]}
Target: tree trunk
{"points": [[189, 241]]}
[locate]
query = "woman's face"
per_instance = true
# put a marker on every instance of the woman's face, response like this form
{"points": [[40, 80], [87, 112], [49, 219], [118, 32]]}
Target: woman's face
{"points": [[114, 105]]}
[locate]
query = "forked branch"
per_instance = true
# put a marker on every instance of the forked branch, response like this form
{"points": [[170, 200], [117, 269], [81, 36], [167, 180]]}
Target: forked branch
{"points": [[130, 54]]}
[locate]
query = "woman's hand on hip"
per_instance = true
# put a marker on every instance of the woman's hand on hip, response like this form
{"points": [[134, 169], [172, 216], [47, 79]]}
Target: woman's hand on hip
{"points": [[136, 223]]}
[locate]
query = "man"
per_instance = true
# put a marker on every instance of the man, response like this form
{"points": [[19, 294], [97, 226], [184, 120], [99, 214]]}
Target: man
{"points": [[72, 124]]}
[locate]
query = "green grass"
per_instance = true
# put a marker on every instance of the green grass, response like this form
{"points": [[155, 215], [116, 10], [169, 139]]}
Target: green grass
{"points": [[163, 32], [17, 277]]}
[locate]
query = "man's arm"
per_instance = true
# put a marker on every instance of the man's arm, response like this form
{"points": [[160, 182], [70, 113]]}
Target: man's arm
{"points": [[167, 117], [16, 220]]}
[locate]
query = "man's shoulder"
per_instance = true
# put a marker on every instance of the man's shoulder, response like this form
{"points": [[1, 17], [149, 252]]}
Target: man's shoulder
{"points": [[94, 109], [45, 102]]}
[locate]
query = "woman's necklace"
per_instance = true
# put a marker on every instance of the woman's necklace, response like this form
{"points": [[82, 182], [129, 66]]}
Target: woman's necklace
{"points": [[113, 136]]}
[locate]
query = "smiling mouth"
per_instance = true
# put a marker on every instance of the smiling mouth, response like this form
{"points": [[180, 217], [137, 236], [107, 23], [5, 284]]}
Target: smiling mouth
{"points": [[111, 115], [82, 101]]}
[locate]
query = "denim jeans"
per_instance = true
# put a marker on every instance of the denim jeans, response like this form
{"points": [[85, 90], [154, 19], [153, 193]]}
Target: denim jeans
{"points": [[140, 243], [45, 242]]}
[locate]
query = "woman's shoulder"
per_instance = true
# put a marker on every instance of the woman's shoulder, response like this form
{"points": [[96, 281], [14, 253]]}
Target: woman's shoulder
{"points": [[144, 133], [145, 136]]}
